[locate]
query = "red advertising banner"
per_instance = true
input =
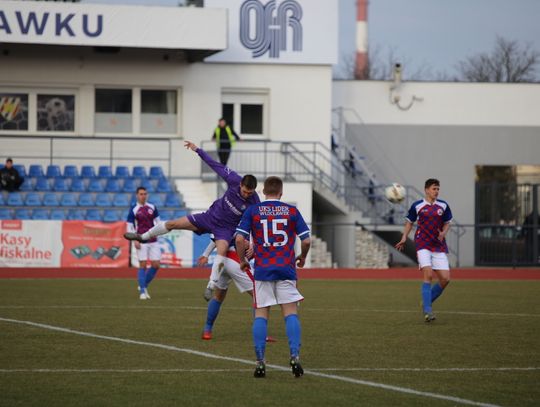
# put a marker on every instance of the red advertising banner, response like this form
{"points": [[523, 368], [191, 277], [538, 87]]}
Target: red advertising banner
{"points": [[94, 244]]}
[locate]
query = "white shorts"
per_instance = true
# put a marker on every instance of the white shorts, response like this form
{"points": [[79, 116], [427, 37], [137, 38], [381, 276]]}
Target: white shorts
{"points": [[435, 260], [232, 272], [275, 292], [149, 251]]}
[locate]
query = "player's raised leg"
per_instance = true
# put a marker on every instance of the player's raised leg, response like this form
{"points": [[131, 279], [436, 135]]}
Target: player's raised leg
{"points": [[163, 228]]}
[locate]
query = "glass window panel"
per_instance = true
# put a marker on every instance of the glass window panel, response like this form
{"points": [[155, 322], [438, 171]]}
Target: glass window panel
{"points": [[13, 111], [113, 100], [227, 112], [252, 119], [158, 101], [55, 112]]}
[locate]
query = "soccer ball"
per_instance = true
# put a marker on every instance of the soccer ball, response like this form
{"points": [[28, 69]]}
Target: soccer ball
{"points": [[395, 193]]}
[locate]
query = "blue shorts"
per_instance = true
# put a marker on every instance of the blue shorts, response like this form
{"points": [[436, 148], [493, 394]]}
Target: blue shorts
{"points": [[206, 224]]}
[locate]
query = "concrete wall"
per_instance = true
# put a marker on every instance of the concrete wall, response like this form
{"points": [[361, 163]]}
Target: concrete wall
{"points": [[456, 127]]}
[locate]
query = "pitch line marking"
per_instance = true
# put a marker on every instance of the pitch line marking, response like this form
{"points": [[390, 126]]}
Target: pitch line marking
{"points": [[398, 389], [188, 307], [327, 369]]}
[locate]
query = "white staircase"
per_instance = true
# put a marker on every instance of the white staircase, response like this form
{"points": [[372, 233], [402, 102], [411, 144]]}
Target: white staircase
{"points": [[198, 195], [320, 256], [369, 253]]}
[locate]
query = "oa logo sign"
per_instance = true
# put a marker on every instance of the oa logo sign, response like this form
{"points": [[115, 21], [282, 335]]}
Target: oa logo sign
{"points": [[264, 28]]}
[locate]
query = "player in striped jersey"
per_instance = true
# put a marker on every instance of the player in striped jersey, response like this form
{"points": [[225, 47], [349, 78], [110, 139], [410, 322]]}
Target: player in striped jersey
{"points": [[433, 217], [274, 226], [142, 217]]}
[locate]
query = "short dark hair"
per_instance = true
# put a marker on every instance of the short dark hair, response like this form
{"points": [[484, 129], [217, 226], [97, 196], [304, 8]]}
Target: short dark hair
{"points": [[430, 182], [9, 160], [273, 186], [249, 181], [140, 189]]}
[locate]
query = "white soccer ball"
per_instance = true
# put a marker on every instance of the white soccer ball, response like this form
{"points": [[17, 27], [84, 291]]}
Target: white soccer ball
{"points": [[395, 193]]}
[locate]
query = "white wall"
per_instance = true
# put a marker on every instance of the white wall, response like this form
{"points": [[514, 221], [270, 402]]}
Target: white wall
{"points": [[299, 95]]}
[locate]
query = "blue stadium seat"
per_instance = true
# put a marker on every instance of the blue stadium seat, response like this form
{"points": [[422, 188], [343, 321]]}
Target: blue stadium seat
{"points": [[36, 170], [23, 214], [130, 185], [112, 185], [172, 200], [2, 199], [77, 185], [27, 185], [156, 172], [33, 199], [164, 185], [21, 169], [40, 214], [95, 185], [87, 171], [111, 215], [120, 200], [103, 199], [139, 171], [93, 214], [5, 213], [149, 185], [76, 214], [166, 215], [179, 214], [42, 184], [15, 199], [53, 171], [122, 172], [60, 185], [68, 199], [58, 214], [105, 171], [86, 199], [71, 171], [50, 199], [157, 200]]}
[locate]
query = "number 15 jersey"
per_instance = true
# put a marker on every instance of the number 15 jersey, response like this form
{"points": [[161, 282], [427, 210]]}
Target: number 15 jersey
{"points": [[273, 226]]}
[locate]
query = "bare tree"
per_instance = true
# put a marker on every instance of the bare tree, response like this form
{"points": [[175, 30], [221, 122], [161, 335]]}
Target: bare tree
{"points": [[508, 62]]}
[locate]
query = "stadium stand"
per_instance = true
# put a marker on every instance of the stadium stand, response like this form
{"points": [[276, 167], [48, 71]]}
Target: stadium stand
{"points": [[104, 196]]}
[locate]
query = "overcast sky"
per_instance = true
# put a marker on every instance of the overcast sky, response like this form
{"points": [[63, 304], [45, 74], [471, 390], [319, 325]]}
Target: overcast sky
{"points": [[438, 33]]}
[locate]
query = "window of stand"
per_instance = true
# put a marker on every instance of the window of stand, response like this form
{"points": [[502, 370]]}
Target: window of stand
{"points": [[246, 112], [159, 111], [113, 111]]}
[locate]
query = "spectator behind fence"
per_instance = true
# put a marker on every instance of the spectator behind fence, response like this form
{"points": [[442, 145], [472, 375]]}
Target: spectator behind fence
{"points": [[10, 177], [225, 139]]}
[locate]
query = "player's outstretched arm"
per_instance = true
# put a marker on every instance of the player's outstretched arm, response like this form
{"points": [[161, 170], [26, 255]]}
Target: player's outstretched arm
{"points": [[223, 171], [301, 259], [406, 230]]}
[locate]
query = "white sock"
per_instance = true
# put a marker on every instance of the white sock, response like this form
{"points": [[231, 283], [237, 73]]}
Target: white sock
{"points": [[215, 267], [157, 230]]}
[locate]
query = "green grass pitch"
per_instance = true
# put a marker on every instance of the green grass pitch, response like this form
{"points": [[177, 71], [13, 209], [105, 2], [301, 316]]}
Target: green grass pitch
{"points": [[368, 331]]}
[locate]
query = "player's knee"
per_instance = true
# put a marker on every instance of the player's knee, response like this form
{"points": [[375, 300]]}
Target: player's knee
{"points": [[219, 294], [444, 281]]}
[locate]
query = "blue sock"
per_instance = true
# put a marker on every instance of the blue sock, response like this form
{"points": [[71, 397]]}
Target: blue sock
{"points": [[141, 277], [426, 297], [213, 311], [150, 275], [292, 326], [260, 327], [436, 291]]}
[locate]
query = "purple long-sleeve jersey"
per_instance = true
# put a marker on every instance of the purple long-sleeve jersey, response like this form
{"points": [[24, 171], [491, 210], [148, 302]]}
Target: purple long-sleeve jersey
{"points": [[228, 209]]}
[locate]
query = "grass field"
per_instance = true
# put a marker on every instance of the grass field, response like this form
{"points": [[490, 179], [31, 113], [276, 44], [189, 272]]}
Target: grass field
{"points": [[357, 335]]}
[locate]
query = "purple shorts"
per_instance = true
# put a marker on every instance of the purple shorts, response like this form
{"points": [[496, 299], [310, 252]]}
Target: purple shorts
{"points": [[206, 224]]}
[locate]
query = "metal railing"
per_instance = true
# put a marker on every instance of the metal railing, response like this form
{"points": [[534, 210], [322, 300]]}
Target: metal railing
{"points": [[111, 150]]}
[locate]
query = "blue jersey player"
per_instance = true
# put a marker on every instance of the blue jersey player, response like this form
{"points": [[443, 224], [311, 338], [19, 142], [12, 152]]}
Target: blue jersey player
{"points": [[220, 219], [274, 226], [433, 217], [142, 217]]}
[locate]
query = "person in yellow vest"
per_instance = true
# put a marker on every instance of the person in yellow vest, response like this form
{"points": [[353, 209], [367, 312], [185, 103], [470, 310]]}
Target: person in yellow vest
{"points": [[225, 139]]}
